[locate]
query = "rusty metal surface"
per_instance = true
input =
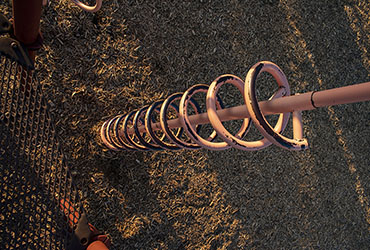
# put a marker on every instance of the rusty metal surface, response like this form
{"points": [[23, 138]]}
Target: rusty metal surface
{"points": [[34, 177]]}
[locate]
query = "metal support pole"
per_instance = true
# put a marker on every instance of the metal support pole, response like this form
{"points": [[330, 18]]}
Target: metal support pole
{"points": [[27, 14], [26, 24]]}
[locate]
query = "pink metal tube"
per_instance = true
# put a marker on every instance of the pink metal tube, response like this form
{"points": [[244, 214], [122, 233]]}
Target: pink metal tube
{"points": [[343, 95], [297, 125]]}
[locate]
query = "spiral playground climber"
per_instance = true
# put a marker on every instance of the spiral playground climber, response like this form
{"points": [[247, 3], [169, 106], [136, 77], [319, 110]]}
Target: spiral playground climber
{"points": [[141, 130]]}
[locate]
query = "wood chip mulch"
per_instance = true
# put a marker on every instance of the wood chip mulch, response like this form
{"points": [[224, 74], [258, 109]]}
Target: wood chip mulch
{"points": [[131, 53]]}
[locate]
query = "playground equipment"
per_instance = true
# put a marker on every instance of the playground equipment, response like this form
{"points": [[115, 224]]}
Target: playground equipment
{"points": [[83, 6], [40, 204], [136, 130]]}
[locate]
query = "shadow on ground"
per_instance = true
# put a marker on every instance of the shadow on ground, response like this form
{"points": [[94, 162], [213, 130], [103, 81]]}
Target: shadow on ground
{"points": [[131, 53]]}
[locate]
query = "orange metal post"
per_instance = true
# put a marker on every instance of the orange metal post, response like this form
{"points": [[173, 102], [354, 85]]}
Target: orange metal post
{"points": [[97, 245], [27, 14]]}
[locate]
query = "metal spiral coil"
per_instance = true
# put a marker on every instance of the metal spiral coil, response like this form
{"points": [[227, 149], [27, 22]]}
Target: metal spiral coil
{"points": [[136, 130]]}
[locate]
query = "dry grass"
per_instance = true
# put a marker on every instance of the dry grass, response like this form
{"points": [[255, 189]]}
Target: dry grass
{"points": [[131, 53]]}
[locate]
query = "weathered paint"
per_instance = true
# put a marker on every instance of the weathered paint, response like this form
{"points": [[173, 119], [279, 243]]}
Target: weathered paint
{"points": [[273, 135]]}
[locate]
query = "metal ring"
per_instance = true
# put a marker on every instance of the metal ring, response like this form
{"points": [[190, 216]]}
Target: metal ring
{"points": [[120, 136], [164, 122], [148, 126], [192, 133], [272, 134], [137, 132], [104, 134], [127, 136], [115, 140], [231, 140], [235, 141]]}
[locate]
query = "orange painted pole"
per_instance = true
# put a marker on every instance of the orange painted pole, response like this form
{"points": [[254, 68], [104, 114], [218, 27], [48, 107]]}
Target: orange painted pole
{"points": [[26, 15], [97, 245]]}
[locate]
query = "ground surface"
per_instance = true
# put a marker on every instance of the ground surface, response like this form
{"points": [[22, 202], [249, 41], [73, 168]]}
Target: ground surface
{"points": [[131, 53]]}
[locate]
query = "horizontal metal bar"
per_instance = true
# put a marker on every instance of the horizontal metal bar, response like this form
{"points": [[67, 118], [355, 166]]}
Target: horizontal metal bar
{"points": [[299, 102]]}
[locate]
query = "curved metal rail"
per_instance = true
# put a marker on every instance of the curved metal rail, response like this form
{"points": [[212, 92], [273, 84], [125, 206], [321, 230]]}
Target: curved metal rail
{"points": [[95, 8], [88, 8]]}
